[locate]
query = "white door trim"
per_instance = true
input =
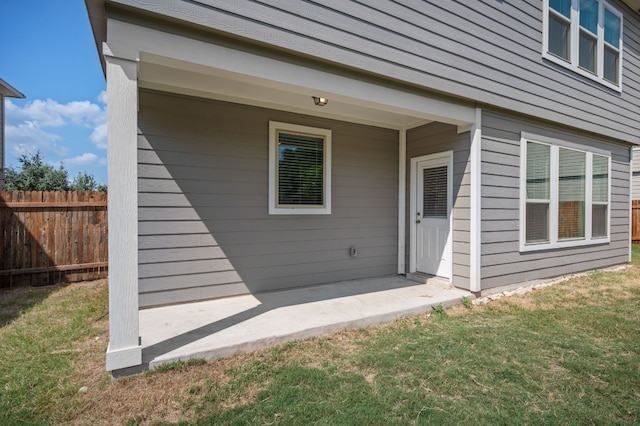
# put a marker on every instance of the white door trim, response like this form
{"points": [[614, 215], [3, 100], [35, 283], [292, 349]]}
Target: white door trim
{"points": [[413, 205]]}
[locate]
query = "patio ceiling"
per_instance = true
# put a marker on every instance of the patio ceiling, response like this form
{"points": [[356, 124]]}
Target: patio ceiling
{"points": [[176, 76]]}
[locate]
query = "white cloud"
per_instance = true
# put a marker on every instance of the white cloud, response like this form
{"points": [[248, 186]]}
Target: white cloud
{"points": [[102, 97], [34, 126], [28, 137], [99, 136], [86, 159], [49, 113]]}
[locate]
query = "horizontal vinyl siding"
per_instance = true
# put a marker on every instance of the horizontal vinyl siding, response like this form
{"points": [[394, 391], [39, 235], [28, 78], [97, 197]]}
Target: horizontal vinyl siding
{"points": [[488, 51], [502, 262], [432, 139], [204, 227]]}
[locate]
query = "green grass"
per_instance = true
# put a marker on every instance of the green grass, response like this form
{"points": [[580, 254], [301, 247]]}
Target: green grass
{"points": [[567, 354], [16, 302], [578, 365], [38, 347]]}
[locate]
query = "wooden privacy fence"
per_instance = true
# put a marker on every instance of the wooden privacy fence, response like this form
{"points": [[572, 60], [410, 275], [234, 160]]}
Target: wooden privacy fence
{"points": [[48, 237], [635, 221]]}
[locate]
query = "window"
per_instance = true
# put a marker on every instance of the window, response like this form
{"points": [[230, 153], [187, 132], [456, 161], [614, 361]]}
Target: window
{"points": [[565, 195], [435, 185], [586, 37], [299, 169], [538, 193]]}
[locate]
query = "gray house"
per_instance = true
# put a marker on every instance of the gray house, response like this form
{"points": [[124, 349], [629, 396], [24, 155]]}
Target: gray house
{"points": [[6, 91], [256, 146]]}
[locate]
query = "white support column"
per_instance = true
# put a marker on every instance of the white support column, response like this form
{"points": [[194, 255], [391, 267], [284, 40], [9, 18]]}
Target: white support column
{"points": [[476, 200], [402, 202], [631, 155], [122, 97], [2, 173]]}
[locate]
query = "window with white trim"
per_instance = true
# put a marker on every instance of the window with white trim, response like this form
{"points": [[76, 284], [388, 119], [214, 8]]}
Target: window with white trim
{"points": [[299, 169], [565, 195], [586, 37]]}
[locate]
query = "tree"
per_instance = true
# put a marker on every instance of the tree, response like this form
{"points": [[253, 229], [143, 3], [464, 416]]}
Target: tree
{"points": [[86, 182], [34, 175]]}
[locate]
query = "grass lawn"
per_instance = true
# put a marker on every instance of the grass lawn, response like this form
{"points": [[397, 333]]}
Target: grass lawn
{"points": [[567, 354]]}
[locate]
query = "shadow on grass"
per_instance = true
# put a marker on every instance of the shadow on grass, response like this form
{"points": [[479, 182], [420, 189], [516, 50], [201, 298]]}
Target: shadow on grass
{"points": [[15, 301]]}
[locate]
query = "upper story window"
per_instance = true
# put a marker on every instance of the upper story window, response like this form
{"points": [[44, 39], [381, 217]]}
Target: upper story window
{"points": [[299, 169], [586, 37]]}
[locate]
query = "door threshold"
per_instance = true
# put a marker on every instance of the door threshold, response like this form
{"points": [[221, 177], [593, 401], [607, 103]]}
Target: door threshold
{"points": [[433, 280]]}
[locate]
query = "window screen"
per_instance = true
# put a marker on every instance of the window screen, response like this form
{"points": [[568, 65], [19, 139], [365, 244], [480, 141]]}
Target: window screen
{"points": [[435, 192], [538, 178], [560, 28], [571, 194], [300, 169], [600, 196]]}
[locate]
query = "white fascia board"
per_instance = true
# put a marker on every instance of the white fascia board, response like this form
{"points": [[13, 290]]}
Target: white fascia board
{"points": [[127, 40]]}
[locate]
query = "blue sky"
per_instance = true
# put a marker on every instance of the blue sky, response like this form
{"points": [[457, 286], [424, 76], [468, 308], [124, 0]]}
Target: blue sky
{"points": [[47, 52]]}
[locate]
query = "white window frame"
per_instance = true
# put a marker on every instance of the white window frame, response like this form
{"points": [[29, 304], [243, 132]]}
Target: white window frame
{"points": [[274, 207], [574, 30], [554, 183]]}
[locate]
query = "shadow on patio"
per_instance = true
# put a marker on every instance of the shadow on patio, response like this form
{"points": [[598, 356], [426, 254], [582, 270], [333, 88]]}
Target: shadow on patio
{"points": [[225, 327]]}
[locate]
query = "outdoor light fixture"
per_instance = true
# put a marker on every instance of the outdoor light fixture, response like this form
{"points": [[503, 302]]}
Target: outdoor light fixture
{"points": [[320, 101]]}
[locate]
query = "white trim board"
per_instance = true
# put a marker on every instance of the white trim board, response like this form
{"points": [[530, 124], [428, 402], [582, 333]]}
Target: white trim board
{"points": [[274, 208], [153, 46], [402, 200], [554, 194]]}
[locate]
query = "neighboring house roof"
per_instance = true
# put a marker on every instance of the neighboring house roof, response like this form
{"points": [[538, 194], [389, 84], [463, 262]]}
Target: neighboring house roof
{"points": [[9, 91]]}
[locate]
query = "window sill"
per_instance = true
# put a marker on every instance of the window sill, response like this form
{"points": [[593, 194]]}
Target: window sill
{"points": [[299, 211], [563, 244], [576, 69]]}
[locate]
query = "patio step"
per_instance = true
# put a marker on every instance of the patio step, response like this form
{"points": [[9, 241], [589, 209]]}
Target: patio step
{"points": [[421, 278]]}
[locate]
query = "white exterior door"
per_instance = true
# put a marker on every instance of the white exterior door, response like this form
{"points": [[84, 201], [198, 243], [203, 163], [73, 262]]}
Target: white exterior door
{"points": [[432, 214]]}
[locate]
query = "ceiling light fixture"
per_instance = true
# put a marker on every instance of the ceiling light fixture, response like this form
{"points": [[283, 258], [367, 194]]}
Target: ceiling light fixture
{"points": [[320, 101]]}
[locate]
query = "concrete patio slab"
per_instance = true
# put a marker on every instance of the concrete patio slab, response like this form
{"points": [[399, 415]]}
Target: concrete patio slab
{"points": [[225, 327]]}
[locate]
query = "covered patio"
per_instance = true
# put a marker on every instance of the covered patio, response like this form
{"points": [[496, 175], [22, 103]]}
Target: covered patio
{"points": [[225, 327], [173, 65]]}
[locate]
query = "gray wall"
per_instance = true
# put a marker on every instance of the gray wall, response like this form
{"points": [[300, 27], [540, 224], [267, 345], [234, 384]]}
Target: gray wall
{"points": [[502, 263], [431, 139], [485, 50], [204, 228]]}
